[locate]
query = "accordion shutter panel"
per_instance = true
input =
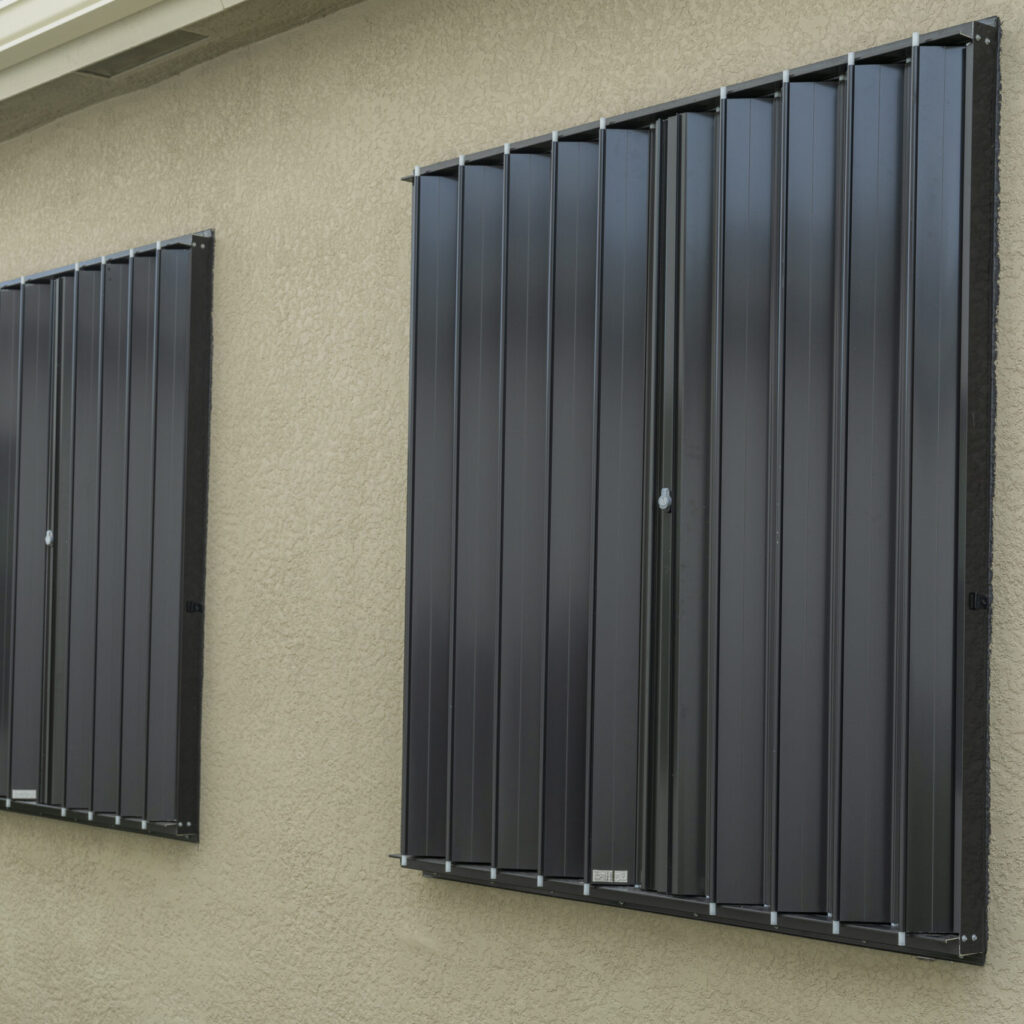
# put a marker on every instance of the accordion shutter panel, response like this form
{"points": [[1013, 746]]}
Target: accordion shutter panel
{"points": [[703, 416], [106, 520]]}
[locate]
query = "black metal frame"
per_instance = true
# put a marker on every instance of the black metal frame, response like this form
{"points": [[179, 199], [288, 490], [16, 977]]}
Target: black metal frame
{"points": [[980, 41], [196, 282]]}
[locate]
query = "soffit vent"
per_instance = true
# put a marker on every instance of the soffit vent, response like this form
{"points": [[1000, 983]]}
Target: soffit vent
{"points": [[142, 54]]}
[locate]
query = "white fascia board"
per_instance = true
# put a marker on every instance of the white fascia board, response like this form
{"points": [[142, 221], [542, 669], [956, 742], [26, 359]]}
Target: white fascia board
{"points": [[41, 40]]}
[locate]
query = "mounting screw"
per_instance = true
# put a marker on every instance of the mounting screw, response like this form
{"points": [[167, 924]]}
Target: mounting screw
{"points": [[974, 938]]}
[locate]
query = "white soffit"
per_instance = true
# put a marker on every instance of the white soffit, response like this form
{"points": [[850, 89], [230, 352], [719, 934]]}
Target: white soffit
{"points": [[41, 40]]}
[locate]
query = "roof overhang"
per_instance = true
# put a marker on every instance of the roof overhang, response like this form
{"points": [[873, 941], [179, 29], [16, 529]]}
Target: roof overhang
{"points": [[50, 49], [41, 40]]}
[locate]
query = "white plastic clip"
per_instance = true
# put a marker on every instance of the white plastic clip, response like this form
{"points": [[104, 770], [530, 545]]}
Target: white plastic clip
{"points": [[131, 254], [721, 93], [145, 824], [849, 59], [540, 881], [901, 938], [835, 927], [508, 149], [586, 888], [7, 803], [405, 860], [554, 136], [785, 76], [78, 266], [416, 171], [447, 865], [494, 874], [117, 819], [63, 812], [775, 919], [603, 123], [90, 815], [462, 161], [712, 909], [915, 39]]}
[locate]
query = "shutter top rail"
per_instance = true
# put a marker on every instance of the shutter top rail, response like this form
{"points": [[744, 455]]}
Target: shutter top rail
{"points": [[982, 30]]}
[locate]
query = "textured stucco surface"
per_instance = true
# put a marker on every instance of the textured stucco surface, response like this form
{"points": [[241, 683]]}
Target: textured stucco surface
{"points": [[289, 910]]}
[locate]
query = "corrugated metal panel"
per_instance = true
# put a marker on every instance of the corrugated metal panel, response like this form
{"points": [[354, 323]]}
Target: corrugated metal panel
{"points": [[105, 466], [703, 399]]}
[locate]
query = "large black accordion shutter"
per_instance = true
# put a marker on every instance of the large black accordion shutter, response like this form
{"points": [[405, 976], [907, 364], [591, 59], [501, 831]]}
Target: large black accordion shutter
{"points": [[699, 501]]}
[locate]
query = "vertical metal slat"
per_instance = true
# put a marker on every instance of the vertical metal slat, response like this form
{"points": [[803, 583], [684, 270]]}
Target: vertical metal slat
{"points": [[453, 605], [110, 599], [476, 537], [410, 504], [773, 538], [34, 564], [654, 790], [82, 648], [622, 503], [500, 511], [138, 585], [837, 509], [933, 551], [12, 349], [904, 433], [743, 567], [63, 519], [809, 326], [571, 511], [430, 579], [588, 867], [524, 504], [548, 395], [690, 391], [868, 587], [715, 507]]}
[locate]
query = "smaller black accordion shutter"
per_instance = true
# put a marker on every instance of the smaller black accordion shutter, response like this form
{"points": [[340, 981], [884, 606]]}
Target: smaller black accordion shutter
{"points": [[104, 451]]}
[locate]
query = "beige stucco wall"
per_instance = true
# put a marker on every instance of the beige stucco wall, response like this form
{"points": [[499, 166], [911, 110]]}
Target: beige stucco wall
{"points": [[289, 910]]}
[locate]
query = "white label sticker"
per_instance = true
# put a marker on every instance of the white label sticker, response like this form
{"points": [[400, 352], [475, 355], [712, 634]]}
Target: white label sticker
{"points": [[622, 878], [23, 794], [602, 876]]}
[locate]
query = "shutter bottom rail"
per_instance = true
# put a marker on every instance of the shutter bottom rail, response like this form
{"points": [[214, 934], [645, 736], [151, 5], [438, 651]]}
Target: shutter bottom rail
{"points": [[186, 832], [963, 949]]}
